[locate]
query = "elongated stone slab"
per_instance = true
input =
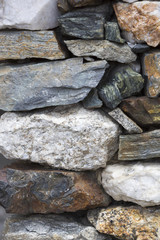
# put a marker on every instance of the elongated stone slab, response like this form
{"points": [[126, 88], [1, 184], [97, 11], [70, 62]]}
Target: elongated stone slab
{"points": [[30, 86], [49, 191], [28, 14], [29, 44], [68, 137], [143, 110], [102, 49], [127, 222], [57, 227], [140, 18], [139, 146]]}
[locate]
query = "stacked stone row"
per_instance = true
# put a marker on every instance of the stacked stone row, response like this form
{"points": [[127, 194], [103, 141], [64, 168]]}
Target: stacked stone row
{"points": [[80, 85]]}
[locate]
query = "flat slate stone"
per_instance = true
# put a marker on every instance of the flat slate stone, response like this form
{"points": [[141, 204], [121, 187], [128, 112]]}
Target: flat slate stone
{"points": [[30, 44], [112, 32], [102, 49], [29, 86], [139, 146], [143, 110]]}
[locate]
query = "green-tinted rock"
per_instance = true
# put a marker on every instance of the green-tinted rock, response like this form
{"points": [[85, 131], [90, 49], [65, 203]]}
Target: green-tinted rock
{"points": [[92, 100], [112, 32]]}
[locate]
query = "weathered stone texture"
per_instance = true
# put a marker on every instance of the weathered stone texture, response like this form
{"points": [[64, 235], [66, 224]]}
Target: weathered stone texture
{"points": [[112, 32], [102, 49], [141, 18], [139, 146], [30, 86], [127, 223], [133, 182], [65, 137]]}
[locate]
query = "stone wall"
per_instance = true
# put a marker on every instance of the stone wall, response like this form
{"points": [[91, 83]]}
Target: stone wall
{"points": [[79, 87]]}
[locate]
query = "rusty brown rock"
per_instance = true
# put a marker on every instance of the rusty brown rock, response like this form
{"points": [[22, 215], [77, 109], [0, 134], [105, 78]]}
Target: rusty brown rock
{"points": [[127, 223], [140, 18], [143, 110], [26, 189]]}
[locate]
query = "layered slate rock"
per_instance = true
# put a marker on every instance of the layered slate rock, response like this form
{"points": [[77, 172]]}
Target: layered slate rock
{"points": [[127, 222], [125, 121], [112, 32], [119, 82], [141, 146], [57, 227], [28, 14], [49, 191], [137, 182], [102, 49], [30, 44], [140, 18], [30, 86], [151, 71], [143, 110], [70, 137]]}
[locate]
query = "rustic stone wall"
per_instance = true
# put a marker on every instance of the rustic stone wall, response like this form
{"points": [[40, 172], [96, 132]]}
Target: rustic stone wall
{"points": [[79, 91]]}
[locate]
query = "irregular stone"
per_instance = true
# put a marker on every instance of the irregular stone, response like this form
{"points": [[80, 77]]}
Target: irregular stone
{"points": [[92, 100], [112, 32], [137, 182], [29, 44], [28, 14], [125, 121], [30, 86], [57, 227], [68, 137], [140, 18], [151, 71], [129, 37], [127, 222], [144, 111], [139, 47], [120, 82], [139, 146], [136, 66], [102, 49]]}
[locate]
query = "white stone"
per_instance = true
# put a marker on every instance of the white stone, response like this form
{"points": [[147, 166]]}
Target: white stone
{"points": [[135, 182], [28, 14], [69, 137]]}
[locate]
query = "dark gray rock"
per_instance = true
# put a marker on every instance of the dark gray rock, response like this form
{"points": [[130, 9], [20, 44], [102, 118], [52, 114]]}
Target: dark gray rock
{"points": [[139, 47], [112, 32], [92, 100]]}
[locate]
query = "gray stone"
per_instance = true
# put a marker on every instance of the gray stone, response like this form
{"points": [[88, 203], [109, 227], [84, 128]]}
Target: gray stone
{"points": [[139, 47], [119, 83], [68, 137], [112, 32], [102, 49], [30, 86], [125, 121], [92, 100]]}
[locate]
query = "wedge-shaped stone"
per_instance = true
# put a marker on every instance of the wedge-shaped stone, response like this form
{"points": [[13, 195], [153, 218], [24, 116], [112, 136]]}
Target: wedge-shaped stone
{"points": [[65, 137], [112, 32], [133, 182], [139, 146], [140, 18], [22, 14], [127, 223], [143, 110], [92, 100], [30, 86], [47, 227], [49, 191], [29, 44], [102, 49]]}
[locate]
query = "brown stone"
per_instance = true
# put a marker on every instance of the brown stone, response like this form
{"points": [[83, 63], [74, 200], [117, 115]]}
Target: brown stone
{"points": [[127, 223], [140, 18], [143, 110], [27, 189]]}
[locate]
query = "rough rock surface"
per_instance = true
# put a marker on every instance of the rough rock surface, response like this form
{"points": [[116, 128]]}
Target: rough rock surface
{"points": [[141, 18], [64, 137], [133, 182], [118, 83], [139, 146], [112, 32], [143, 110], [49, 227], [29, 44], [139, 47], [127, 223], [30, 86], [151, 71], [49, 191], [28, 14], [125, 121], [102, 49], [92, 100]]}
